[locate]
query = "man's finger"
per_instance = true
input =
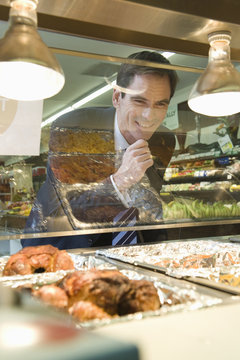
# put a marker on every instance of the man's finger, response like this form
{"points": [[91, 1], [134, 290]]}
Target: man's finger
{"points": [[138, 144]]}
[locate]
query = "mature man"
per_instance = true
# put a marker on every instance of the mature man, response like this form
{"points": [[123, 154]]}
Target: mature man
{"points": [[130, 188]]}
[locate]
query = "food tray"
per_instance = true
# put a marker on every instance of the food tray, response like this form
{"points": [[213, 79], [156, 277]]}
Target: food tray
{"points": [[173, 297], [206, 262], [84, 141], [81, 168]]}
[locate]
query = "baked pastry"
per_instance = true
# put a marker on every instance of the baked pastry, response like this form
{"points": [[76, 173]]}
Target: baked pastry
{"points": [[38, 259], [141, 296], [52, 295], [103, 288], [86, 311]]}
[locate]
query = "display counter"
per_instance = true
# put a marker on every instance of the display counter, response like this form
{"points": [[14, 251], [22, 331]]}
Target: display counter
{"points": [[195, 318], [202, 334], [66, 192]]}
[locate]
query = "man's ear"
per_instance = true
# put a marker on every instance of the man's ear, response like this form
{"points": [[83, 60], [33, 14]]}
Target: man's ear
{"points": [[116, 98]]}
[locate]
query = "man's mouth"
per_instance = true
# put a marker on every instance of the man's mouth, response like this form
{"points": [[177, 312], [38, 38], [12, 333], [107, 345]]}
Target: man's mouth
{"points": [[144, 125]]}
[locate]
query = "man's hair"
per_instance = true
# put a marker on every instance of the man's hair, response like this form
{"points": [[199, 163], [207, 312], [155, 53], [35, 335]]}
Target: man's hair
{"points": [[128, 71]]}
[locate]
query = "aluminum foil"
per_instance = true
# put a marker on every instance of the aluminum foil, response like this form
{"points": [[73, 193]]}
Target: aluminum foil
{"points": [[172, 298], [212, 260]]}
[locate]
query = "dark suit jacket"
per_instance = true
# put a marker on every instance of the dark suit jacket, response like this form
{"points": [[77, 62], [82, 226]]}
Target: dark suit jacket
{"points": [[51, 214]]}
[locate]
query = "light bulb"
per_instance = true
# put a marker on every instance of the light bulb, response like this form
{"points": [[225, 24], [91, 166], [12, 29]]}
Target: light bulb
{"points": [[28, 70], [217, 91]]}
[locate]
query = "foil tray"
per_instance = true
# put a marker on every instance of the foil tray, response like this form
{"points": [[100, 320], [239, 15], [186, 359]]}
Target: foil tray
{"points": [[204, 262], [186, 295]]}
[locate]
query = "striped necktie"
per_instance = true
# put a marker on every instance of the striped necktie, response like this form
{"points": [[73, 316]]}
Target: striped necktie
{"points": [[125, 218]]}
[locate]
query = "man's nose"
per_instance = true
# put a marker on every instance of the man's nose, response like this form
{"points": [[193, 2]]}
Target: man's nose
{"points": [[148, 113]]}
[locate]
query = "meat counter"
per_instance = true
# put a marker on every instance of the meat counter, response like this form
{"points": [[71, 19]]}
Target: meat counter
{"points": [[173, 268]]}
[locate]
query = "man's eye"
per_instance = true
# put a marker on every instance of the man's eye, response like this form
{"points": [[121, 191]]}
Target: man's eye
{"points": [[162, 105], [139, 101]]}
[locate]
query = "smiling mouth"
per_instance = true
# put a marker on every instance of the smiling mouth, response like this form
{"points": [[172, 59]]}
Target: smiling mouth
{"points": [[144, 125]]}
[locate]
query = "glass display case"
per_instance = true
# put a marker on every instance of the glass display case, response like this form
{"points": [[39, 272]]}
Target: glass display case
{"points": [[198, 185], [184, 210]]}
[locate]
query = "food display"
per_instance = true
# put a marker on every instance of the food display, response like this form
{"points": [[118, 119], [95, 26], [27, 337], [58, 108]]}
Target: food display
{"points": [[228, 278], [81, 156], [81, 141], [185, 208], [199, 186], [35, 259], [22, 208], [202, 189], [97, 292], [80, 164], [111, 291], [87, 311], [83, 169], [52, 295], [212, 260]]}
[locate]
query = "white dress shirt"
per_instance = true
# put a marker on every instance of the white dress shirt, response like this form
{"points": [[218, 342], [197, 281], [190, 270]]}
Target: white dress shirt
{"points": [[141, 195], [121, 144]]}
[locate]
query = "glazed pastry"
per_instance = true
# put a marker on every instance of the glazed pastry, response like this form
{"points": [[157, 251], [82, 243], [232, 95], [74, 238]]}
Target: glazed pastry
{"points": [[38, 259]]}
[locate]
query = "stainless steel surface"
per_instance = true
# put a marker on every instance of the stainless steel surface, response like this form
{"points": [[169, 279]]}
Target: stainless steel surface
{"points": [[172, 25], [121, 60], [175, 26], [213, 285], [11, 236]]}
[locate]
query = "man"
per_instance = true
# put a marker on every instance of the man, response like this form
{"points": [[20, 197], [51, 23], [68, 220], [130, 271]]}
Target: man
{"points": [[142, 151]]}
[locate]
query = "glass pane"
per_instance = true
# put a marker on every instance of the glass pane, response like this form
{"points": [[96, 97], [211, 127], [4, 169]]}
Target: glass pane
{"points": [[197, 180]]}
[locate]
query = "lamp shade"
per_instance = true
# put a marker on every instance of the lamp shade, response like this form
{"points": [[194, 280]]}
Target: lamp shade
{"points": [[28, 69], [217, 91]]}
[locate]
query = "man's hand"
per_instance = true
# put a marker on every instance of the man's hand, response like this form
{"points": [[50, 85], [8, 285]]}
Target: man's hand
{"points": [[136, 160]]}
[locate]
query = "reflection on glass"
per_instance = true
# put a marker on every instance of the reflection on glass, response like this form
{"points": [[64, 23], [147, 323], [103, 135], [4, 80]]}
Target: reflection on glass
{"points": [[201, 171]]}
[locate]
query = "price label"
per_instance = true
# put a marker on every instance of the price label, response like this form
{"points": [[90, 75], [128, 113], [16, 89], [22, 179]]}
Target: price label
{"points": [[225, 143]]}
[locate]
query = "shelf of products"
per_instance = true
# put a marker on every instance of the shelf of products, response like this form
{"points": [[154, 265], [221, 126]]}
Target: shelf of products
{"points": [[209, 155], [202, 189]]}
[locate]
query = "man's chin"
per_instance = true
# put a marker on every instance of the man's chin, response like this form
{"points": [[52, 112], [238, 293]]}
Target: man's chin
{"points": [[143, 136]]}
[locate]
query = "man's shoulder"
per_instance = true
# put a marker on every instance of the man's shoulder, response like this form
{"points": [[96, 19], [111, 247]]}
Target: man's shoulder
{"points": [[89, 118]]}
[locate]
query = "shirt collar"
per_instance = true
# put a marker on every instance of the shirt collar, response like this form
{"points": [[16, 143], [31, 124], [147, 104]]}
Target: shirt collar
{"points": [[120, 142]]}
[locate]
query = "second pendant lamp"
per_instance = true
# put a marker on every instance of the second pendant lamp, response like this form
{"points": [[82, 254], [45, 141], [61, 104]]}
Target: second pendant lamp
{"points": [[217, 91]]}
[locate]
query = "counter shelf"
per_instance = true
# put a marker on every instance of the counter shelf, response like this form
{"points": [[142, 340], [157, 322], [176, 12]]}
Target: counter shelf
{"points": [[183, 295], [205, 262]]}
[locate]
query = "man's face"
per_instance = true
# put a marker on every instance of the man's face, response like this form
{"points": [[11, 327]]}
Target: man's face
{"points": [[143, 109]]}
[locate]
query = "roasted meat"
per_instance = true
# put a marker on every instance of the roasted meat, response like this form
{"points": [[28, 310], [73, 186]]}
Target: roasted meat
{"points": [[85, 311], [104, 288], [52, 295], [141, 296]]}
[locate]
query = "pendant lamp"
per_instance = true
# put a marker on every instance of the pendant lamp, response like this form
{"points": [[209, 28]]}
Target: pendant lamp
{"points": [[217, 91], [28, 69]]}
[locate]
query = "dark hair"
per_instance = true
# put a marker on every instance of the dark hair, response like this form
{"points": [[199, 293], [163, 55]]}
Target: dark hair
{"points": [[127, 72]]}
